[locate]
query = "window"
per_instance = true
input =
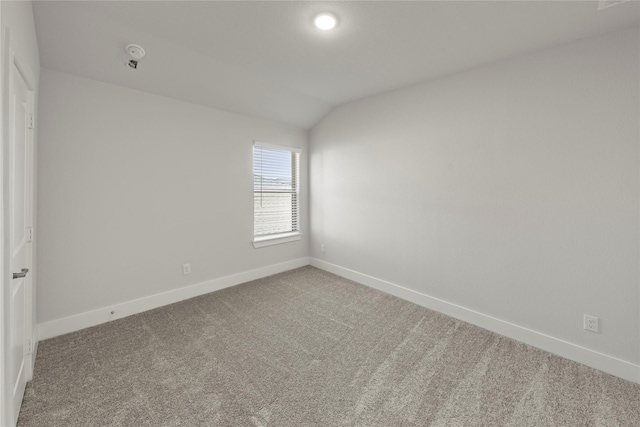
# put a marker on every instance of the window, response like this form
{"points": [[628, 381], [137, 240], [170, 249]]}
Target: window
{"points": [[276, 185]]}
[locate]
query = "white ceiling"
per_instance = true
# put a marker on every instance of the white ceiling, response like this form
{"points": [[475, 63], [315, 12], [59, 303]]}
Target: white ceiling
{"points": [[266, 59]]}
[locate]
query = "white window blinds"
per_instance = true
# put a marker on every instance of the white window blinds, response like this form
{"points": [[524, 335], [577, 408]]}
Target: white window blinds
{"points": [[276, 178]]}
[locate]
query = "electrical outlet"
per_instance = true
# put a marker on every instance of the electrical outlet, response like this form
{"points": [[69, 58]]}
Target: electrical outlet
{"points": [[591, 323], [186, 268], [322, 248]]}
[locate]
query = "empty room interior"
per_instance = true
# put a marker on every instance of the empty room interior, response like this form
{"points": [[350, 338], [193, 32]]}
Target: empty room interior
{"points": [[307, 213]]}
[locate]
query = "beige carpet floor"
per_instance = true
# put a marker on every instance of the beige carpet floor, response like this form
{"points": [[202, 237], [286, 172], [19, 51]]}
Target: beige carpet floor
{"points": [[307, 348]]}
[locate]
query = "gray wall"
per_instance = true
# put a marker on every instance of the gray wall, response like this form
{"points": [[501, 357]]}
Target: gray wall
{"points": [[133, 185], [512, 190]]}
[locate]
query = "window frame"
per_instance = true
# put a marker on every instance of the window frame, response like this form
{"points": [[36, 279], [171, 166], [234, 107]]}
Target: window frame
{"points": [[285, 237]]}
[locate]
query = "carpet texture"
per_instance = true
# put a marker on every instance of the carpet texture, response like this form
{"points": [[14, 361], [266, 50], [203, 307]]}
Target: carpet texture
{"points": [[308, 348]]}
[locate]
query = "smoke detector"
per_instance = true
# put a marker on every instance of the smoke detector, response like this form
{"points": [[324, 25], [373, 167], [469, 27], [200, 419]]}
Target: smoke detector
{"points": [[135, 51]]}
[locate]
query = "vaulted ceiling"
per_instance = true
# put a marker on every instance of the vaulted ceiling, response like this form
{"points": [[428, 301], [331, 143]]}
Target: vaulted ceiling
{"points": [[266, 59]]}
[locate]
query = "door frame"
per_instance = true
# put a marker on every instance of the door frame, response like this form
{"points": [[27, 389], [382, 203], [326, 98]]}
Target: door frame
{"points": [[8, 60]]}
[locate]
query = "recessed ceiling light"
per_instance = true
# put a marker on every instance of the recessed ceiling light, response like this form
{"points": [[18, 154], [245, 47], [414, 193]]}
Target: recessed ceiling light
{"points": [[325, 21]]}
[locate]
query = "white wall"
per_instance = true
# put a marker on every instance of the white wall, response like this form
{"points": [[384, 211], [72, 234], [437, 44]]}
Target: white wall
{"points": [[133, 185], [512, 190]]}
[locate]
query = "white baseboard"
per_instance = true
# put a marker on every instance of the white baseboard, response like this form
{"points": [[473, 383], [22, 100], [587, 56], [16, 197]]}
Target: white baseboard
{"points": [[606, 363], [87, 319], [603, 362]]}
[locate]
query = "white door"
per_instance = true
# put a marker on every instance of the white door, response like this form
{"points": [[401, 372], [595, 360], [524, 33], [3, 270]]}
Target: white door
{"points": [[20, 125]]}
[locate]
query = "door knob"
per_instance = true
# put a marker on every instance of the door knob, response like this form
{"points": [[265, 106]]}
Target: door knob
{"points": [[21, 274]]}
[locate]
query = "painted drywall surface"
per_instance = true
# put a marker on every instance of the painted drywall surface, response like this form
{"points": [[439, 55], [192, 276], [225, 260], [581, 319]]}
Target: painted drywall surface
{"points": [[512, 190], [133, 185]]}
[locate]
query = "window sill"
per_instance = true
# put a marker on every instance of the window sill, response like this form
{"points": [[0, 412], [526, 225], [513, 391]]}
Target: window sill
{"points": [[276, 239]]}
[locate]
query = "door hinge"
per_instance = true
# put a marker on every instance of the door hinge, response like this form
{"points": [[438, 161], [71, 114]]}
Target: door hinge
{"points": [[31, 121], [29, 234], [28, 346]]}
